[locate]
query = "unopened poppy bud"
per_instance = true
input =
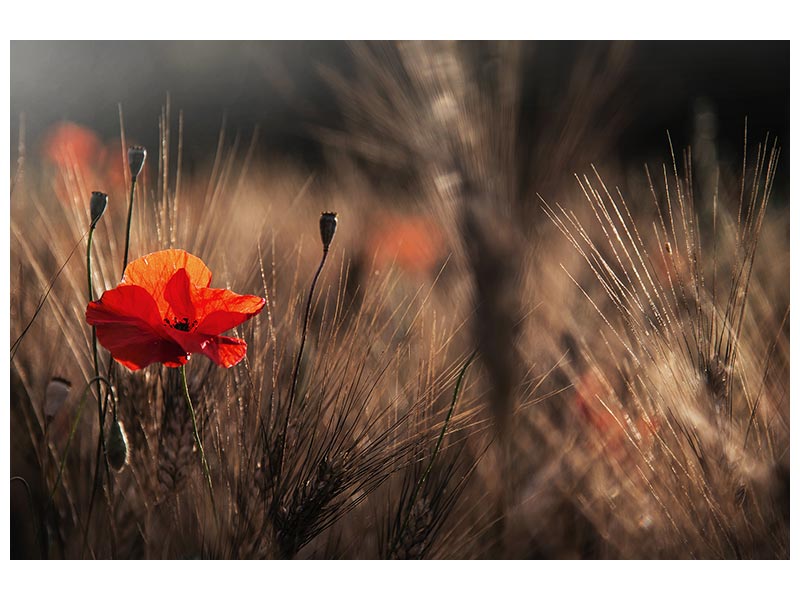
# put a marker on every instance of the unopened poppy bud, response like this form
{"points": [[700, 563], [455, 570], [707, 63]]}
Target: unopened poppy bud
{"points": [[327, 227], [136, 156], [97, 206], [117, 447]]}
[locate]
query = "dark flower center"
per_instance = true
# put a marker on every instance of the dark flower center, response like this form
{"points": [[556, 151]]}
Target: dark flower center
{"points": [[181, 324]]}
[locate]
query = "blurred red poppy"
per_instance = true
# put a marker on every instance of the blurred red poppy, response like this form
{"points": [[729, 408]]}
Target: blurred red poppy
{"points": [[69, 144], [613, 426], [412, 243], [164, 310], [78, 150]]}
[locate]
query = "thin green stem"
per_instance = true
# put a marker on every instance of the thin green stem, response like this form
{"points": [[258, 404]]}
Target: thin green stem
{"points": [[100, 411], [438, 447], [102, 402], [110, 371], [89, 263], [15, 346], [128, 226], [91, 298], [295, 372], [197, 440]]}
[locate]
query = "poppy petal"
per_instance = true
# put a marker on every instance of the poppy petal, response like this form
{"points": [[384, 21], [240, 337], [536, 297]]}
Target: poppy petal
{"points": [[178, 293], [153, 271], [129, 303], [220, 310], [127, 323], [225, 351]]}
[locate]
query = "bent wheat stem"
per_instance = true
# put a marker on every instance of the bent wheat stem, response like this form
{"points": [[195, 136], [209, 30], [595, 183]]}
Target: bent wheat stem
{"points": [[72, 430], [436, 450]]}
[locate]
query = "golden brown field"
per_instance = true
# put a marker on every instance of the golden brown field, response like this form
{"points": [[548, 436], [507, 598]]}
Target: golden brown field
{"points": [[501, 358]]}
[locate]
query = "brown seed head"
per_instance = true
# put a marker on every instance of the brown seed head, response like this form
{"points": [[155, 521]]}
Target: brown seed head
{"points": [[327, 227], [136, 157], [97, 206]]}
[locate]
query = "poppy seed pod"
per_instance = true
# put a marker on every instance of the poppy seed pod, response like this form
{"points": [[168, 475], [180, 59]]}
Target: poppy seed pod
{"points": [[97, 206], [136, 156], [327, 227], [117, 447]]}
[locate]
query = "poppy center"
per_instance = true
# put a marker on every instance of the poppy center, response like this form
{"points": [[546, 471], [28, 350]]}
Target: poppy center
{"points": [[181, 324]]}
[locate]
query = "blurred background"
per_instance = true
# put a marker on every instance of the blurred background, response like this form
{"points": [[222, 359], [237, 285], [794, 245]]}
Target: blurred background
{"points": [[462, 229], [279, 88]]}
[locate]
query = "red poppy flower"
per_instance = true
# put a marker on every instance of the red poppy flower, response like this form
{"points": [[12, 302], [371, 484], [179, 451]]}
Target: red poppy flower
{"points": [[163, 311]]}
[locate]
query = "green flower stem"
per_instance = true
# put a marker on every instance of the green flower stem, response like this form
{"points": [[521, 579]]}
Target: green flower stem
{"points": [[102, 400], [128, 226], [100, 410], [293, 389], [110, 369], [206, 470]]}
